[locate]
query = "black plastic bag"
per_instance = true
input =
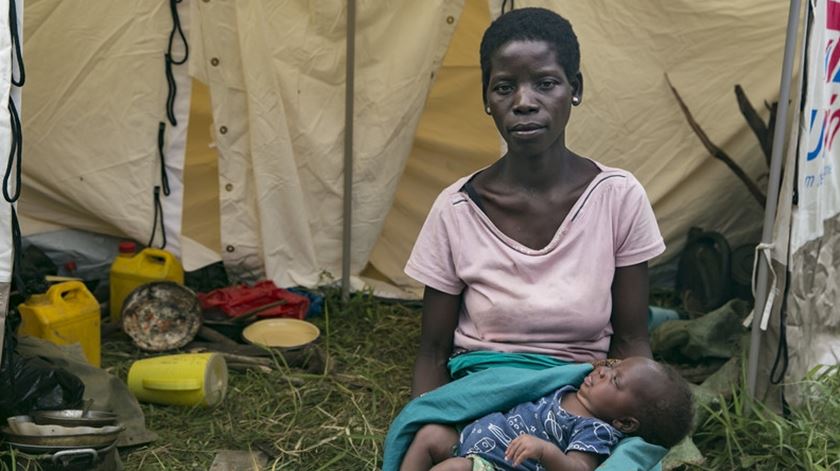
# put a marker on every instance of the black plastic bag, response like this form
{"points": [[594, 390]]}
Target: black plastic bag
{"points": [[208, 278], [34, 266], [31, 383]]}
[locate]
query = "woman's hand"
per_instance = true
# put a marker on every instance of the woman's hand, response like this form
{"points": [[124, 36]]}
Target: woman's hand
{"points": [[629, 319], [440, 317]]}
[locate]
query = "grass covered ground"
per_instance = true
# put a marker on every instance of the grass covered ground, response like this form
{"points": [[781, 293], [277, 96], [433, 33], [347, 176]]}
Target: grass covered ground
{"points": [[337, 420], [308, 421], [746, 435]]}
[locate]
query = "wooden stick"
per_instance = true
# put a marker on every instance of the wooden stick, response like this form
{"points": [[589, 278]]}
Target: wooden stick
{"points": [[771, 124], [247, 350], [262, 361], [716, 151], [237, 366], [213, 336], [754, 121], [310, 358]]}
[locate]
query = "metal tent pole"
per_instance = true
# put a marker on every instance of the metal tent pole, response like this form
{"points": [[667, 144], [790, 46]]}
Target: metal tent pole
{"points": [[348, 150], [772, 192]]}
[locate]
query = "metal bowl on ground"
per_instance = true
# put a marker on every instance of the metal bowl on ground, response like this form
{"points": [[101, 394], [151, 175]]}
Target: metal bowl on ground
{"points": [[161, 315], [74, 418]]}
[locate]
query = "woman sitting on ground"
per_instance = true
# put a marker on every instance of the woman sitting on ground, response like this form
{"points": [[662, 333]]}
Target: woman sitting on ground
{"points": [[541, 258]]}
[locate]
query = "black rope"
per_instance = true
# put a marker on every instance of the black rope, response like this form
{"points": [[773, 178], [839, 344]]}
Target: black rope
{"points": [[170, 61], [16, 254], [15, 154], [780, 363], [13, 28], [504, 4], [164, 179], [158, 215], [172, 91]]}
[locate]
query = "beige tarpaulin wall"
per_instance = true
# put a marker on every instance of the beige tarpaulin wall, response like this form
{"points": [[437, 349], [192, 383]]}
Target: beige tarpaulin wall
{"points": [[628, 118], [275, 79]]}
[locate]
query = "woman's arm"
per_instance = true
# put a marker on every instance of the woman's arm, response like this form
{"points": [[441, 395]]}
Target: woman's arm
{"points": [[630, 312], [440, 317]]}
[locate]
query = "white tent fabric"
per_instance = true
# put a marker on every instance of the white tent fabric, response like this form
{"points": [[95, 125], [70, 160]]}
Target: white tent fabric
{"points": [[95, 95], [7, 92], [276, 78], [275, 74]]}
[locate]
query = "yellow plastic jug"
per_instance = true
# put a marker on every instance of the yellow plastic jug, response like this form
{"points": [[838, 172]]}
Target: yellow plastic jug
{"points": [[131, 269], [188, 379], [67, 313]]}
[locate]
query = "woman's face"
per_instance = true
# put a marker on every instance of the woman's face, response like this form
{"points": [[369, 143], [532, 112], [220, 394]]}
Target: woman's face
{"points": [[530, 96]]}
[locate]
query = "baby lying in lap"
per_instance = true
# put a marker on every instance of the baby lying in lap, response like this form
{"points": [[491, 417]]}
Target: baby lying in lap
{"points": [[568, 429]]}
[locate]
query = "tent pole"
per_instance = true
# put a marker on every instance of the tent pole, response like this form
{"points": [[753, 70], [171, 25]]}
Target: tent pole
{"points": [[348, 149], [772, 193]]}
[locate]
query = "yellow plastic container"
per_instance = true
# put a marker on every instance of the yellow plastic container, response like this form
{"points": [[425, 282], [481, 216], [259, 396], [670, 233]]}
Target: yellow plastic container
{"points": [[131, 269], [189, 379], [67, 313]]}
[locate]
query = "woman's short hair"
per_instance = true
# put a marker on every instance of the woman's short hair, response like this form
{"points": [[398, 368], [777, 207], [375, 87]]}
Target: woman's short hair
{"points": [[531, 24]]}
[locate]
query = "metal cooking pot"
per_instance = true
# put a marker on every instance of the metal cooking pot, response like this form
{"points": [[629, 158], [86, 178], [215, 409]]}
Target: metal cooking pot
{"points": [[161, 315], [52, 443], [81, 459], [74, 418]]}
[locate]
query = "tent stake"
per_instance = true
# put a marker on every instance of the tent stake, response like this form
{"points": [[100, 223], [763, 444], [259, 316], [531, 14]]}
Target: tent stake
{"points": [[348, 150], [772, 193]]}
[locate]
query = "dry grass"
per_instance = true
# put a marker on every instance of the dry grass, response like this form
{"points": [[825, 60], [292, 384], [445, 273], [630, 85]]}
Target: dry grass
{"points": [[336, 420]]}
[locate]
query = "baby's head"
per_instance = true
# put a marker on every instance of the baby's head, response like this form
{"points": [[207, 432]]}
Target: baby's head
{"points": [[640, 397]]}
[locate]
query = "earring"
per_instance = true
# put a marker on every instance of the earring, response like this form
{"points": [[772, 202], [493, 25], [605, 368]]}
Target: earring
{"points": [[487, 109], [575, 100]]}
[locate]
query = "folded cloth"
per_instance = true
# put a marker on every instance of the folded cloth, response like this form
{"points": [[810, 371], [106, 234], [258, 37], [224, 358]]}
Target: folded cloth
{"points": [[499, 388], [472, 362]]}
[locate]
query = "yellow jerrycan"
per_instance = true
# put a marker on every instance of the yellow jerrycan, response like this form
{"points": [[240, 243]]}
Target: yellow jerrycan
{"points": [[131, 269], [67, 313]]}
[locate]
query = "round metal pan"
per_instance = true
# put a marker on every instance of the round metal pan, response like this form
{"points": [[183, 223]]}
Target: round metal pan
{"points": [[63, 450], [97, 440], [161, 315], [73, 418]]}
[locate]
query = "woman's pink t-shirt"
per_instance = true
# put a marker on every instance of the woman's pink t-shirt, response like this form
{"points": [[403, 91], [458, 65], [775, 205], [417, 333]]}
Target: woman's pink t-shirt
{"points": [[555, 300]]}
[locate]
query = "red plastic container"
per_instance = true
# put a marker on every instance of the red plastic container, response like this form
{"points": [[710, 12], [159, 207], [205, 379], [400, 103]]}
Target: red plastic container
{"points": [[235, 301]]}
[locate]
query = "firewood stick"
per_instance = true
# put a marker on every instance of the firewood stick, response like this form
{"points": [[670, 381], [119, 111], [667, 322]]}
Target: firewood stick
{"points": [[716, 151], [209, 334], [230, 357], [236, 366], [754, 121]]}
